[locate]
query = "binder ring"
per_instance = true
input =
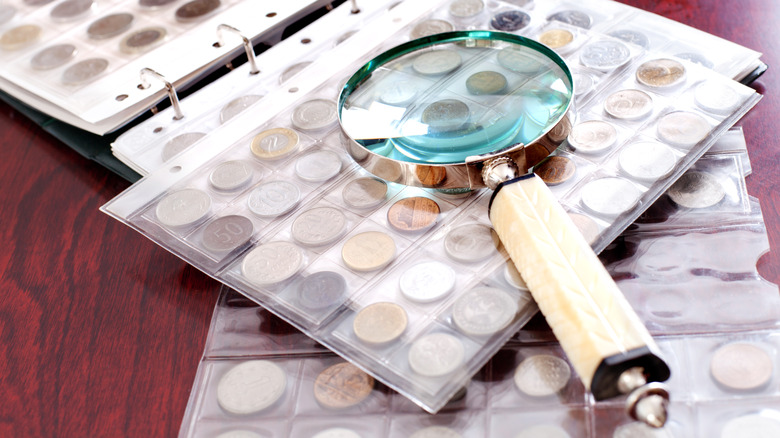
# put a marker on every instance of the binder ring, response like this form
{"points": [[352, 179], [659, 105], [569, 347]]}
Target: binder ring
{"points": [[250, 53], [145, 72]]}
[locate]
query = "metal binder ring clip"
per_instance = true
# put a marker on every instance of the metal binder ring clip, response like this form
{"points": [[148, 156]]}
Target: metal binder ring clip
{"points": [[178, 115], [250, 53]]}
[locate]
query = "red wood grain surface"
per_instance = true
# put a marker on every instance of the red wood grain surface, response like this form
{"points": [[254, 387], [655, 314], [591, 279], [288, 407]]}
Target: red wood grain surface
{"points": [[101, 331]]}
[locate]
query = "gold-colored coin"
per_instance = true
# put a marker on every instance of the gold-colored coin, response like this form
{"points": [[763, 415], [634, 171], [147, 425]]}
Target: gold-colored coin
{"points": [[413, 214], [342, 385], [556, 38], [556, 170], [486, 82], [368, 251], [20, 37], [380, 323], [660, 73], [274, 143]]}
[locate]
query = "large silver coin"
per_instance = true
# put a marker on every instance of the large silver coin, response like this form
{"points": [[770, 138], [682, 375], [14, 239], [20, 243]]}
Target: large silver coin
{"points": [[364, 193], [319, 226], [71, 10], [471, 243], [53, 57], [752, 426], [466, 8], [84, 71], [518, 60], [427, 282], [592, 137], [542, 375], [647, 161], [696, 58], [573, 17], [741, 366], [716, 97], [435, 432], [337, 432], [314, 114], [272, 263], [183, 207], [318, 166], [683, 128], [543, 430], [110, 26], [231, 175], [399, 93], [629, 104], [605, 55], [196, 10], [610, 196], [274, 198], [321, 290], [237, 106], [510, 21], [484, 311], [436, 354], [179, 143], [227, 233], [696, 190], [251, 387], [486, 82], [142, 40], [631, 36], [430, 27], [446, 115], [437, 62], [7, 12]]}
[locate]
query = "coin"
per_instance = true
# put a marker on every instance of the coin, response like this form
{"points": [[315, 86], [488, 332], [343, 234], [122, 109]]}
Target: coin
{"points": [[437, 62], [471, 243], [631, 36], [7, 12], [637, 429], [196, 10], [20, 37], [413, 214], [556, 38], [542, 375], [293, 70], [430, 27], [610, 196], [231, 175], [364, 192], [466, 8], [573, 17], [251, 387], [556, 170], [436, 354], [272, 263], [314, 114], [430, 176], [518, 60], [318, 166], [236, 106], [153, 4], [110, 26], [486, 82], [142, 40], [435, 432], [319, 226], [513, 277], [753, 426], [484, 311], [238, 434], [274, 198], [445, 115], [696, 190], [227, 233], [605, 55], [427, 282], [37, 2], [741, 366], [696, 58], [629, 104], [336, 432], [180, 143], [589, 229], [368, 251], [592, 137], [647, 161], [321, 290], [53, 56], [583, 83], [274, 143], [510, 21], [716, 97], [683, 128], [660, 73], [183, 207], [70, 10], [84, 71], [342, 386], [543, 430], [399, 93], [380, 323]]}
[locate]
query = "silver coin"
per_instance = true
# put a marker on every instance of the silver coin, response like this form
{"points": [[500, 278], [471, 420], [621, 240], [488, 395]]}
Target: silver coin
{"points": [[660, 73], [486, 82], [542, 375], [196, 10], [716, 97], [573, 17], [466, 8], [179, 143], [84, 71], [592, 137], [683, 128], [513, 277], [510, 21], [337, 432], [519, 61], [437, 62], [610, 196], [142, 40], [238, 434], [399, 93], [543, 430], [227, 233], [753, 426], [647, 161], [638, 429], [471, 243], [321, 290], [445, 115], [237, 106], [314, 114], [430, 27], [53, 57], [319, 226], [436, 354], [583, 83], [629, 104], [365, 193], [37, 2], [274, 198], [272, 263], [231, 175], [605, 55], [632, 37], [427, 282], [696, 58], [71, 10], [251, 387], [293, 70], [183, 207], [7, 12], [696, 190], [110, 26], [435, 432], [318, 166], [154, 4], [484, 311]]}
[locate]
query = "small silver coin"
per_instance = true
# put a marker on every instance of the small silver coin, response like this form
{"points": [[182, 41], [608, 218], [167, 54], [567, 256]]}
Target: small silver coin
{"points": [[321, 290], [637, 429], [605, 55], [272, 263], [647, 161], [427, 282], [314, 114], [110, 26], [610, 196], [632, 37], [430, 27], [337, 432], [446, 115], [466, 8], [519, 61], [399, 93], [227, 233], [196, 10], [437, 62], [365, 193], [513, 277], [696, 190], [471, 243], [486, 82], [629, 104], [573, 17], [293, 70], [53, 57], [154, 4], [436, 354], [543, 430], [71, 10], [251, 386], [84, 71], [753, 426], [484, 311], [183, 207], [237, 106], [542, 375], [683, 128], [592, 137], [319, 226], [696, 58], [318, 166], [274, 198], [179, 143], [436, 432], [716, 97], [231, 175], [583, 83], [7, 12], [142, 40], [510, 21]]}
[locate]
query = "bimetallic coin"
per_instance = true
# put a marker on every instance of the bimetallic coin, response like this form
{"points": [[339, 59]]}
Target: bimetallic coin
{"points": [[84, 71], [368, 251], [446, 115], [610, 196], [436, 354], [519, 61], [180, 143], [314, 114], [413, 214], [683, 128], [486, 82], [753, 426], [293, 70], [142, 40], [274, 198], [337, 432], [196, 10], [399, 93], [110, 26], [154, 4], [364, 193], [605, 55], [231, 175], [437, 62], [484, 311], [20, 37], [237, 106], [427, 282], [70, 10], [319, 226], [513, 277], [556, 170], [510, 21], [589, 229], [716, 97], [435, 432], [251, 386], [696, 190], [466, 8], [573, 17], [647, 161], [7, 12], [471, 243], [696, 58], [53, 57], [637, 429], [543, 430], [272, 263], [660, 73], [274, 143], [556, 38], [183, 207], [380, 323], [631, 36], [321, 290], [741, 366], [592, 137], [342, 386], [629, 104], [318, 166], [430, 27], [227, 233], [583, 83], [542, 375]]}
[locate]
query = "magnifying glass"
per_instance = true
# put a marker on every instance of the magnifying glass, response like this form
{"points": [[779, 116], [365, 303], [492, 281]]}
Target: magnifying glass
{"points": [[472, 109]]}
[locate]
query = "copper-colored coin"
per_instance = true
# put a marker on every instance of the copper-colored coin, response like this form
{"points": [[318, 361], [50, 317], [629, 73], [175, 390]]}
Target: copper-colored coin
{"points": [[430, 176], [556, 170], [413, 214], [660, 73], [535, 153], [380, 323], [556, 38], [342, 386], [20, 37]]}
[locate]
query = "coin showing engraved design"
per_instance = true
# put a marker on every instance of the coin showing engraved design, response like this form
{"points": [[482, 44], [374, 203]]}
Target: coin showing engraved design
{"points": [[318, 166], [647, 161], [84, 71], [272, 263], [510, 21], [466, 8], [556, 38], [486, 82], [605, 55], [180, 143], [236, 106], [231, 175], [368, 251], [573, 17], [399, 93], [321, 290], [543, 430], [513, 277], [637, 429], [380, 323], [632, 37], [430, 27], [471, 243], [110, 26], [342, 386], [319, 226], [716, 97], [435, 432], [238, 434], [314, 114], [660, 73], [446, 115], [196, 10], [274, 198], [70, 10], [753, 426], [556, 170], [143, 40], [519, 61], [589, 229], [610, 196], [696, 58], [20, 37], [629, 104], [436, 354], [583, 83], [293, 70], [741, 366], [542, 375], [484, 311], [592, 137], [683, 128], [696, 190], [7, 12], [413, 214], [251, 386], [183, 207], [427, 282], [364, 192], [53, 57], [437, 62], [227, 233], [337, 432], [274, 143]]}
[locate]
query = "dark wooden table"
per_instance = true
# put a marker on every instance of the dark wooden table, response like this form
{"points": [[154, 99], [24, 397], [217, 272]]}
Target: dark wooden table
{"points": [[101, 330]]}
